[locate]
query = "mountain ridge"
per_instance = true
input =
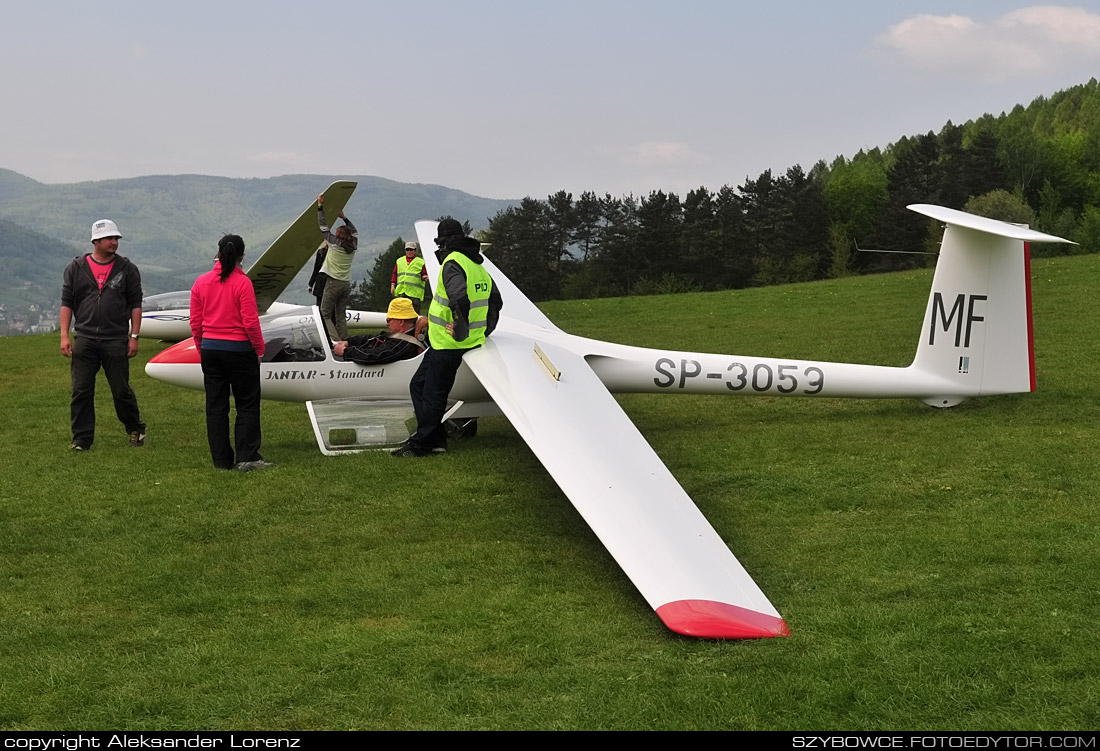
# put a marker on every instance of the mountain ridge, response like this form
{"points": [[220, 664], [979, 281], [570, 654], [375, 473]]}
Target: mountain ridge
{"points": [[171, 223]]}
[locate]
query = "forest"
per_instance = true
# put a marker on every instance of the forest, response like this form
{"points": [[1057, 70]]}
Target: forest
{"points": [[1038, 165]]}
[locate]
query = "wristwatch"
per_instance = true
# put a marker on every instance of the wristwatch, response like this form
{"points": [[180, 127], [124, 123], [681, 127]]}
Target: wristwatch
{"points": [[133, 336]]}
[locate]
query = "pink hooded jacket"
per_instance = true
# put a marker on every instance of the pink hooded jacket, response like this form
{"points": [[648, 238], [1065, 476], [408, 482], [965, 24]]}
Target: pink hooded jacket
{"points": [[226, 310]]}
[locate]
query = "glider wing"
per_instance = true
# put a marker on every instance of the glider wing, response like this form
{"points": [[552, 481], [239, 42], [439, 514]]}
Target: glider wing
{"points": [[622, 489], [280, 263], [517, 306]]}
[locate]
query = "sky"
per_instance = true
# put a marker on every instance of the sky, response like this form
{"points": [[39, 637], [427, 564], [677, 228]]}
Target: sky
{"points": [[510, 98]]}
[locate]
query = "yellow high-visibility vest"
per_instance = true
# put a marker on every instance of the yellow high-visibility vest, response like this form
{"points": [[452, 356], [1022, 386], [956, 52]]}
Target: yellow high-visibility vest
{"points": [[410, 281], [479, 285]]}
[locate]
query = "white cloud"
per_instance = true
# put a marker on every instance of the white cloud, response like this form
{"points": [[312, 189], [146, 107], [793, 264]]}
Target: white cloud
{"points": [[1075, 27], [662, 154], [1025, 42]]}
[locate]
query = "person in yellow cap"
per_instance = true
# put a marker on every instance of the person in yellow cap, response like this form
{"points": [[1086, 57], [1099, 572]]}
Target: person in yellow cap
{"points": [[399, 343]]}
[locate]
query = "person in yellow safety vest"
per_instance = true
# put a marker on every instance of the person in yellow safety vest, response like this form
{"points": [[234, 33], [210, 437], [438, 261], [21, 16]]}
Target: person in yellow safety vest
{"points": [[410, 278], [464, 310]]}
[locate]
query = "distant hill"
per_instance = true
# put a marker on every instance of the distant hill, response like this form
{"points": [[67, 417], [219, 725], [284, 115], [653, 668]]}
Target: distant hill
{"points": [[172, 222], [33, 264], [13, 185]]}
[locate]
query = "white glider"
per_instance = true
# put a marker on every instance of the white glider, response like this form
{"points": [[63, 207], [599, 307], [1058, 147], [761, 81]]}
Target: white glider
{"points": [[555, 388]]}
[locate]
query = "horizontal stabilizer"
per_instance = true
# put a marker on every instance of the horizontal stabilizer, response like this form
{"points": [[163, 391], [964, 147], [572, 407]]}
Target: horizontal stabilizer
{"points": [[983, 224]]}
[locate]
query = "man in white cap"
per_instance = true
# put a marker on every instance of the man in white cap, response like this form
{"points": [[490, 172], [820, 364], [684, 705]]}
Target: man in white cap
{"points": [[101, 298]]}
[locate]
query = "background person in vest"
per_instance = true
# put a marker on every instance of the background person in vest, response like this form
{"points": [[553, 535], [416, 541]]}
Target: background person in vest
{"points": [[317, 279], [400, 343], [226, 326], [101, 294], [464, 310], [337, 269], [410, 278]]}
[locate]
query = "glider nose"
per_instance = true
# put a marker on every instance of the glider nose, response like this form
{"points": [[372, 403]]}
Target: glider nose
{"points": [[179, 365], [184, 353]]}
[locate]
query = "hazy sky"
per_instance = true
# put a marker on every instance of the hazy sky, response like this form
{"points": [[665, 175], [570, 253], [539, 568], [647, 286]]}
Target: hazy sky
{"points": [[506, 98]]}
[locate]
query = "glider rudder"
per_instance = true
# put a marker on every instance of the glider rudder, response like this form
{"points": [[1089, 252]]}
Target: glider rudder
{"points": [[976, 338]]}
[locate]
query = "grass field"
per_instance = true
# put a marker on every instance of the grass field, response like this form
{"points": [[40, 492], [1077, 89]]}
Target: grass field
{"points": [[938, 569]]}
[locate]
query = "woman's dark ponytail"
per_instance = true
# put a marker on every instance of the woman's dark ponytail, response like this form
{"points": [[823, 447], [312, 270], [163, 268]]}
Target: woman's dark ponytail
{"points": [[230, 253]]}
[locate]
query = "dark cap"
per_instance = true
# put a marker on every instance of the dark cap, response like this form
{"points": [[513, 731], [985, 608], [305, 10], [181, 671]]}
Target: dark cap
{"points": [[449, 228]]}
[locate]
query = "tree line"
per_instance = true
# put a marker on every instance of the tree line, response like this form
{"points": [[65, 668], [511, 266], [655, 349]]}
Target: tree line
{"points": [[1038, 165]]}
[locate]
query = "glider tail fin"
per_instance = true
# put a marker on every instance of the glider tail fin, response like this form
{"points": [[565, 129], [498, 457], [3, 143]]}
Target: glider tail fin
{"points": [[977, 333]]}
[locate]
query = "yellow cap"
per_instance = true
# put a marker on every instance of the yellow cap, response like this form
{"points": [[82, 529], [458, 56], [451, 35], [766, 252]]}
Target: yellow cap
{"points": [[402, 308]]}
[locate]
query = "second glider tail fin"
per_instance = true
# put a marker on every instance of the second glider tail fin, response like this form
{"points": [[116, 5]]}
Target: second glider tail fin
{"points": [[977, 332]]}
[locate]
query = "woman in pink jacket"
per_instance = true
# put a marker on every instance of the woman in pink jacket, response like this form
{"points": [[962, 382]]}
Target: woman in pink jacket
{"points": [[226, 327]]}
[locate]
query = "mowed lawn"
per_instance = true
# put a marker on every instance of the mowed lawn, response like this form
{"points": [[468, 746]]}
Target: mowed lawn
{"points": [[938, 569]]}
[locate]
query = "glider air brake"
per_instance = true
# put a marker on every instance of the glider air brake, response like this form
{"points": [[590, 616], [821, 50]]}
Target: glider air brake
{"points": [[556, 388], [167, 316]]}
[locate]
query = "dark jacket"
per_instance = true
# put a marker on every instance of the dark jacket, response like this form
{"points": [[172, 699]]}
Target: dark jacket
{"points": [[101, 314], [379, 350], [319, 261]]}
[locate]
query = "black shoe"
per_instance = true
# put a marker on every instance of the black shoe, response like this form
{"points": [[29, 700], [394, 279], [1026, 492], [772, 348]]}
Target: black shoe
{"points": [[252, 466], [74, 446], [408, 450]]}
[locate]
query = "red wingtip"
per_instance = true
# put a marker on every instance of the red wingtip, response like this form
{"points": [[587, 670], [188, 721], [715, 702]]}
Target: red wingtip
{"points": [[708, 619], [184, 353]]}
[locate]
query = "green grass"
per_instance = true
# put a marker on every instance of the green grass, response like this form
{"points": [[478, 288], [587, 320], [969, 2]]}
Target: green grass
{"points": [[938, 569]]}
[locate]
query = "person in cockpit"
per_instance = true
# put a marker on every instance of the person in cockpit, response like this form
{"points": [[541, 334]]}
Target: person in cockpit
{"points": [[400, 343]]}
